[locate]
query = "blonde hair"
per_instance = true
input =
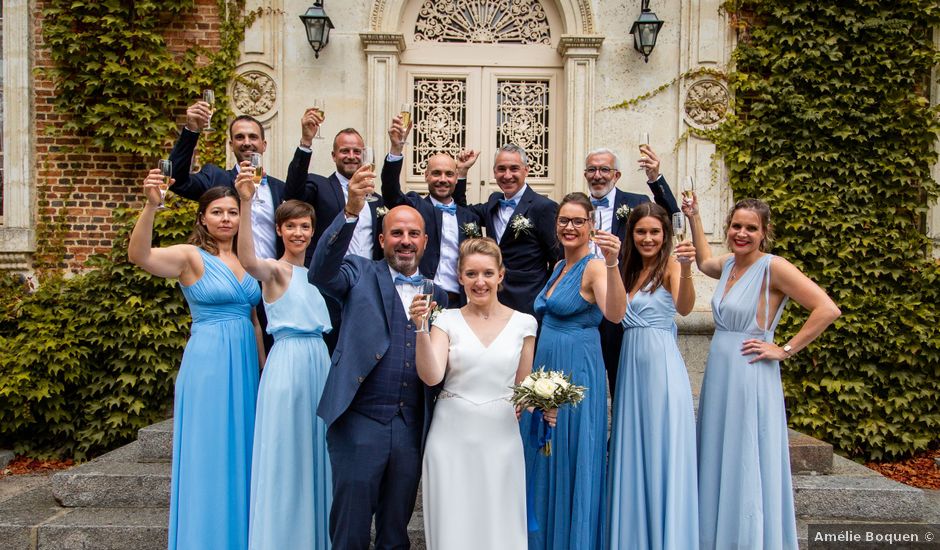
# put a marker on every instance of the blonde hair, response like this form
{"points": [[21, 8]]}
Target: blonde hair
{"points": [[480, 245]]}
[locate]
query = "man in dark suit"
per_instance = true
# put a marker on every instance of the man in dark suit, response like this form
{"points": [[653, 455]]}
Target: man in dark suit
{"points": [[247, 136], [523, 223], [602, 171], [447, 223], [376, 409], [328, 194]]}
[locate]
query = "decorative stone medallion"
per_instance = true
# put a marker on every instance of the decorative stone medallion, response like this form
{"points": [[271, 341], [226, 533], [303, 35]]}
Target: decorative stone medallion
{"points": [[706, 103], [254, 93]]}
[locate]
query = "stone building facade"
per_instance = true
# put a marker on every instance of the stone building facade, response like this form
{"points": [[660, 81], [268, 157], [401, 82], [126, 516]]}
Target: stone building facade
{"points": [[540, 73]]}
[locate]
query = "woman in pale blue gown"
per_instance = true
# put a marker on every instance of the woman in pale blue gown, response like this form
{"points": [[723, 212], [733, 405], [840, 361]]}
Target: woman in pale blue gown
{"points": [[567, 487], [217, 384], [652, 488], [745, 490], [291, 483]]}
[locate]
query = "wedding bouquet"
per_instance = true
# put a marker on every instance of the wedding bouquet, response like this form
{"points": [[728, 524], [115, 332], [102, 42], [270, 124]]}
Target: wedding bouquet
{"points": [[546, 390]]}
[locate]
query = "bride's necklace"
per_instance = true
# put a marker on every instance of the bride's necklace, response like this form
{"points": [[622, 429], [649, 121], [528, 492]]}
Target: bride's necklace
{"points": [[481, 314]]}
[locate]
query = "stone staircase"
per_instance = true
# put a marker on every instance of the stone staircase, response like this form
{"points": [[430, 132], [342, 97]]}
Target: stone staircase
{"points": [[119, 501]]}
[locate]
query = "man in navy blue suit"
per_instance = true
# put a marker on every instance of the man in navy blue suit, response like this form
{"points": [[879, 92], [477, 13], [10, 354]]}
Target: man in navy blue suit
{"points": [[376, 409], [328, 194], [247, 136], [447, 223], [522, 221], [602, 171]]}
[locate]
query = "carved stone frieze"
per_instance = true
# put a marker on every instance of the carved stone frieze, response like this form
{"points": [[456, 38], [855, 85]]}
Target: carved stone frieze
{"points": [[382, 9], [482, 21], [254, 93], [706, 103]]}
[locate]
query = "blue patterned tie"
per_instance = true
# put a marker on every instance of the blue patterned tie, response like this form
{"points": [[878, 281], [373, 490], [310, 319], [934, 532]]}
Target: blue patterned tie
{"points": [[510, 203], [414, 280], [600, 202], [449, 208]]}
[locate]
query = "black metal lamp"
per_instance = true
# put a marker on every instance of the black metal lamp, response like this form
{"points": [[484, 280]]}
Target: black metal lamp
{"points": [[318, 27], [645, 30]]}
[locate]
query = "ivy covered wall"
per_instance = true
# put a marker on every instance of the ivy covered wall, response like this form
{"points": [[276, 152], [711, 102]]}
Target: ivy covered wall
{"points": [[834, 129]]}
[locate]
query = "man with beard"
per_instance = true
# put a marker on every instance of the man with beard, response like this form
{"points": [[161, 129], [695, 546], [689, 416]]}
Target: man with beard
{"points": [[601, 172], [523, 223], [376, 409], [447, 223], [247, 136], [329, 194]]}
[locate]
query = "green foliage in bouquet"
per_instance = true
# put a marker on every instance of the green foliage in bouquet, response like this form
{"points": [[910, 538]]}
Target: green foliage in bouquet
{"points": [[833, 128], [547, 390], [88, 360]]}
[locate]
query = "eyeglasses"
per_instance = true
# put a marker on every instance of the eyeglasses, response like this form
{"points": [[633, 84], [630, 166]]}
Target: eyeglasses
{"points": [[577, 223], [604, 170]]}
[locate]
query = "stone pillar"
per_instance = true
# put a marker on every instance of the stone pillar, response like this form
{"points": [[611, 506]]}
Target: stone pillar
{"points": [[933, 214], [17, 234], [383, 51], [580, 56]]}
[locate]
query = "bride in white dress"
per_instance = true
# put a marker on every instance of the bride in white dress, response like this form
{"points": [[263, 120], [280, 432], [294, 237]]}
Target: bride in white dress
{"points": [[474, 470]]}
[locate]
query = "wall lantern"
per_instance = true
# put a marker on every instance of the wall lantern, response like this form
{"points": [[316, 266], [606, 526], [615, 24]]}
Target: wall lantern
{"points": [[645, 30], [318, 27]]}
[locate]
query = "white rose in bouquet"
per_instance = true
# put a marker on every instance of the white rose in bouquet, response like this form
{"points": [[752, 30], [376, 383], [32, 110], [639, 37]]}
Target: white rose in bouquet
{"points": [[559, 379], [528, 382], [545, 387]]}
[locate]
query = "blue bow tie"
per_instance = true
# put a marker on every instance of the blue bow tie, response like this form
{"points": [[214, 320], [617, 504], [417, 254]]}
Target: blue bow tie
{"points": [[449, 208], [511, 203], [600, 202], [414, 280]]}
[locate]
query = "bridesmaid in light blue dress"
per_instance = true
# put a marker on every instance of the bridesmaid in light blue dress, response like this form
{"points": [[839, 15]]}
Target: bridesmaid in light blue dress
{"points": [[291, 483], [567, 487], [217, 384], [652, 488], [745, 490]]}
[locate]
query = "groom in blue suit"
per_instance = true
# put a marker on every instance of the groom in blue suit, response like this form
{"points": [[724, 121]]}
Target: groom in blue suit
{"points": [[376, 409]]}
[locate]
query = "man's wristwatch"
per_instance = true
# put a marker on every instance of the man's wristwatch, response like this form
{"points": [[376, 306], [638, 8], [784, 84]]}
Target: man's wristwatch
{"points": [[787, 348]]}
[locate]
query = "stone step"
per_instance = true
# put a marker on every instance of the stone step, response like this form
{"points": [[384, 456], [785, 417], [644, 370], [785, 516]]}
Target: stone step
{"points": [[156, 442], [114, 480], [853, 492], [807, 454]]}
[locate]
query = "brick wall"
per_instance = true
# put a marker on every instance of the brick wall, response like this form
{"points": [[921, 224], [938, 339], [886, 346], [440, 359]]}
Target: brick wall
{"points": [[84, 188]]}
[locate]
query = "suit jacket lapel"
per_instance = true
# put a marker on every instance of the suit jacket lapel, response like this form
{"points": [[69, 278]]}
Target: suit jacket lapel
{"points": [[492, 207], [436, 233], [386, 289], [617, 225], [337, 190]]}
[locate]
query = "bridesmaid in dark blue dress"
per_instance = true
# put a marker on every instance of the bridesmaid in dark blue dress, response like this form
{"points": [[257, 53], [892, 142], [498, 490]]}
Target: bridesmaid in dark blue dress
{"points": [[217, 384], [567, 497]]}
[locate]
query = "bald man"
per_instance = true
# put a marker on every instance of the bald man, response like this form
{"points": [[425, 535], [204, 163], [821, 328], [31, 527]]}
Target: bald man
{"points": [[376, 409], [447, 223]]}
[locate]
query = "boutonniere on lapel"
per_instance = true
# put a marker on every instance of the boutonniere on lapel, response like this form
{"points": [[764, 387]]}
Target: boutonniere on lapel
{"points": [[471, 230], [623, 212], [381, 211], [520, 224]]}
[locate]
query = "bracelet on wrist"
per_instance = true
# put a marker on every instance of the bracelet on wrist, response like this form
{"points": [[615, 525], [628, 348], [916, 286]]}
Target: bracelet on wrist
{"points": [[684, 277], [615, 264]]}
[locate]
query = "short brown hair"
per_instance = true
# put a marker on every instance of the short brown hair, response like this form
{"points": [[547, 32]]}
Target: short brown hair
{"points": [[346, 131], [292, 209]]}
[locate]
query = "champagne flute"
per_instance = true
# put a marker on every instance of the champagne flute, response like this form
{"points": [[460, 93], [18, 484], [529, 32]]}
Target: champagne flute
{"points": [[166, 170], [209, 97], [319, 106], [405, 115], [427, 291], [368, 159], [257, 175], [644, 141], [597, 218]]}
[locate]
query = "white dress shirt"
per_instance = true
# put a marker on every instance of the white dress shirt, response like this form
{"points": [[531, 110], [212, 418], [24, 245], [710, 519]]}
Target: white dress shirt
{"points": [[446, 275], [262, 220], [361, 243], [501, 221]]}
